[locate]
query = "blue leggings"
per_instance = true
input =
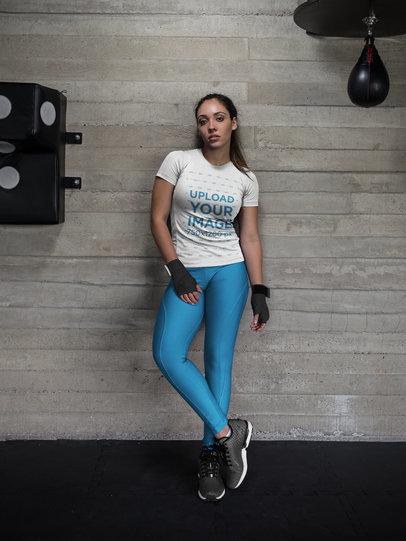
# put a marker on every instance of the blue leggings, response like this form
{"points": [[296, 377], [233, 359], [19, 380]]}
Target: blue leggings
{"points": [[225, 291]]}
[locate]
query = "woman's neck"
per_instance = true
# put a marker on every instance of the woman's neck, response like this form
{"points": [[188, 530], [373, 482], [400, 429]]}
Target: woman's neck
{"points": [[217, 156]]}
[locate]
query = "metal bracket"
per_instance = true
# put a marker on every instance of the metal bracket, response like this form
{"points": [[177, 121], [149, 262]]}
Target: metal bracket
{"points": [[72, 182], [370, 20], [73, 138]]}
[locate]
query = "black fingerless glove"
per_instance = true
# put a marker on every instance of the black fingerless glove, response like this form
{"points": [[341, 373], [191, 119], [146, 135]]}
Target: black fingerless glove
{"points": [[183, 281], [258, 302]]}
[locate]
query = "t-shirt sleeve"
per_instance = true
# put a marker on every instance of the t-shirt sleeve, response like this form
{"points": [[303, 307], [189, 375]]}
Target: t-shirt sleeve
{"points": [[171, 168], [250, 197]]}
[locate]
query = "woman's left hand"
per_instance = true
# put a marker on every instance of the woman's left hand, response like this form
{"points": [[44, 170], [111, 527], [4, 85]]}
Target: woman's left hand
{"points": [[259, 307], [255, 326]]}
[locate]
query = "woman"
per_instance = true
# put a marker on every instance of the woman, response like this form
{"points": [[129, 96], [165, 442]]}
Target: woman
{"points": [[204, 189]]}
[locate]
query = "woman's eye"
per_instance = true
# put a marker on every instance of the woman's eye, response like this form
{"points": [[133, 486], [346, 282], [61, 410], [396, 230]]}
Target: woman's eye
{"points": [[219, 119]]}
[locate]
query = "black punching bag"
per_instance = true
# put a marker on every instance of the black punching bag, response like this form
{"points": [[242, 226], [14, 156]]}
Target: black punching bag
{"points": [[368, 84]]}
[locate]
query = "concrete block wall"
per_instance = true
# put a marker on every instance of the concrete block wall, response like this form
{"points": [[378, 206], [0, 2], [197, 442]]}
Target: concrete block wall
{"points": [[78, 300]]}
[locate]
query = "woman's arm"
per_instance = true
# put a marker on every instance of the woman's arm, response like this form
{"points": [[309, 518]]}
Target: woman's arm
{"points": [[251, 248], [251, 243], [161, 201]]}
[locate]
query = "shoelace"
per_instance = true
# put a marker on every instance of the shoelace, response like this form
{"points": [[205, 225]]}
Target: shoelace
{"points": [[209, 464], [225, 453]]}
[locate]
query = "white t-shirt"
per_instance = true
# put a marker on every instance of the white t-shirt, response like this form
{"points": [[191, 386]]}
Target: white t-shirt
{"points": [[206, 199]]}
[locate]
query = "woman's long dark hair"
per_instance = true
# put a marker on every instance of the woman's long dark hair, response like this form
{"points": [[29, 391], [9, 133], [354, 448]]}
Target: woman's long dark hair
{"points": [[236, 153]]}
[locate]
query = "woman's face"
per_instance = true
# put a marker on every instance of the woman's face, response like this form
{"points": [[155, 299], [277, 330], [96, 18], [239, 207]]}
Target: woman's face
{"points": [[214, 124]]}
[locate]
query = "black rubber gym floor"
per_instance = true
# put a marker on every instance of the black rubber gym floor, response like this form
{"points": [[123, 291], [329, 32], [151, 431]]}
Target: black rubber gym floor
{"points": [[119, 490]]}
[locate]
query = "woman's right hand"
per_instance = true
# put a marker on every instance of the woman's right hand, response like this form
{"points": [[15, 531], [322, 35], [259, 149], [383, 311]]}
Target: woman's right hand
{"points": [[192, 298], [185, 285]]}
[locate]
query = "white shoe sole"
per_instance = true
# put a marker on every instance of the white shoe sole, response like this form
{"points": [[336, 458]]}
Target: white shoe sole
{"points": [[210, 500], [244, 455]]}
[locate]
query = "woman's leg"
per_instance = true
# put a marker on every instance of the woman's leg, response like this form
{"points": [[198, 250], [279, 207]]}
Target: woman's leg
{"points": [[176, 324], [226, 295]]}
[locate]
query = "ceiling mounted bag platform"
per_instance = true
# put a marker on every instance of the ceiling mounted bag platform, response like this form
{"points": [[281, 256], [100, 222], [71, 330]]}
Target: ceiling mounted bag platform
{"points": [[343, 18]]}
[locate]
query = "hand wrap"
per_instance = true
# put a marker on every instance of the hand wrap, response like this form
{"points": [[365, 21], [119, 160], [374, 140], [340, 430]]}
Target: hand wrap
{"points": [[258, 302], [183, 281]]}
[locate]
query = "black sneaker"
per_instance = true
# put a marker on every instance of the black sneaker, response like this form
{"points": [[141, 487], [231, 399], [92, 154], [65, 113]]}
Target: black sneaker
{"points": [[211, 485], [233, 454]]}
